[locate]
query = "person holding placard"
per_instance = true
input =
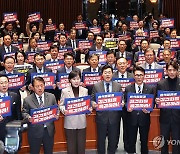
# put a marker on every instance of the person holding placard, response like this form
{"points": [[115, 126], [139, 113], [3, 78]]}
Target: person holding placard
{"points": [[169, 117], [138, 118], [74, 125], [15, 106], [108, 122], [42, 132]]}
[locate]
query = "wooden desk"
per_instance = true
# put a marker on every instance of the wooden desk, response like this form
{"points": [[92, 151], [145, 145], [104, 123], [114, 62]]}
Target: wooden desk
{"points": [[60, 142]]}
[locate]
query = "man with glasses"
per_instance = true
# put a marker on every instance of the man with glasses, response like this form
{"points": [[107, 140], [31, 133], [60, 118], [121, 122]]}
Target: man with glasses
{"points": [[138, 119]]}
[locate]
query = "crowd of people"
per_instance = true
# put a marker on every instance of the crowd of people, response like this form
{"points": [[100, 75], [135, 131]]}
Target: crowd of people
{"points": [[131, 58]]}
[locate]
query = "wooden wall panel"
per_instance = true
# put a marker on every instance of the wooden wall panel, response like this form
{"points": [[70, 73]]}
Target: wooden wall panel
{"points": [[59, 10], [171, 8]]}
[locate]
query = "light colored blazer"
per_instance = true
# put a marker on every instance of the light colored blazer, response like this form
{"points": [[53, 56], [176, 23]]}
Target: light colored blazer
{"points": [[74, 121]]}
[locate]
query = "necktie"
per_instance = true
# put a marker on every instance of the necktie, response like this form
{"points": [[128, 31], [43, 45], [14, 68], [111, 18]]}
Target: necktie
{"points": [[4, 95], [139, 89], [73, 44], [40, 70], [41, 102], [9, 73], [107, 87], [149, 66], [122, 55], [94, 70], [8, 49], [122, 75], [34, 50]]}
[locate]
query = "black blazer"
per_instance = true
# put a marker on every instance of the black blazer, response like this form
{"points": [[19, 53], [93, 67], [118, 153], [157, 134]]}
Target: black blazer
{"points": [[115, 75], [93, 48], [3, 51], [33, 70], [167, 114], [133, 117], [16, 113], [89, 69], [106, 117]]}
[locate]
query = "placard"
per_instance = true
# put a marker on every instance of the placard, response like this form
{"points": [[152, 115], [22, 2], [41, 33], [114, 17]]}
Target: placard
{"points": [[44, 45], [16, 80], [63, 51], [167, 23], [137, 40], [49, 79], [169, 99], [124, 37], [160, 53], [76, 106], [102, 56], [10, 17], [152, 76], [124, 82], [137, 101], [54, 66], [95, 30], [134, 24], [34, 17], [111, 43], [63, 80], [51, 27], [44, 115], [80, 25], [91, 78], [11, 54], [175, 43], [5, 106], [141, 57], [19, 45], [30, 56], [85, 44], [111, 101], [154, 34]]}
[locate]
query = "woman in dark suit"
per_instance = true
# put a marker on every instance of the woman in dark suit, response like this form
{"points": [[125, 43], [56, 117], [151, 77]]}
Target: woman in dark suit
{"points": [[75, 125]]}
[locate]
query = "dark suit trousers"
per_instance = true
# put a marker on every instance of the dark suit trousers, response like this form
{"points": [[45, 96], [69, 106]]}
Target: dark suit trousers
{"points": [[76, 140], [46, 140], [110, 130], [132, 133], [173, 129], [125, 130]]}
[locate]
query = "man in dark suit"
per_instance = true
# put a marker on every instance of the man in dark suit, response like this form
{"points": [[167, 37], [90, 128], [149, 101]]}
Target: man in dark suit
{"points": [[15, 106], [138, 119], [98, 44], [122, 72], [93, 61], [39, 60], [107, 121], [9, 63], [122, 51], [54, 53], [111, 59], [170, 118], [39, 133], [6, 48]]}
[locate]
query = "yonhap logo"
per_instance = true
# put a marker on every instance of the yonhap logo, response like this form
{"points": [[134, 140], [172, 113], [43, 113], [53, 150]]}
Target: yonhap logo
{"points": [[158, 142]]}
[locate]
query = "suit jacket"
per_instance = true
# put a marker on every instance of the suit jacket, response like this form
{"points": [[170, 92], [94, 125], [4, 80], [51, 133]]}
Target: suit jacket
{"points": [[31, 102], [167, 114], [136, 56], [16, 113], [3, 51], [128, 55], [115, 75], [68, 43], [33, 70], [106, 117], [89, 69], [157, 66], [93, 48], [138, 117], [74, 121]]}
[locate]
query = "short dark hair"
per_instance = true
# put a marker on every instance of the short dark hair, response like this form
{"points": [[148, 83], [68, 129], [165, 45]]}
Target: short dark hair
{"points": [[4, 75], [111, 52], [53, 47], [74, 73], [38, 78], [32, 38], [100, 36], [68, 54], [144, 40], [63, 34], [106, 67], [138, 68], [90, 56], [8, 57], [150, 49], [7, 35], [39, 54], [123, 41], [173, 64], [35, 34], [22, 52]]}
